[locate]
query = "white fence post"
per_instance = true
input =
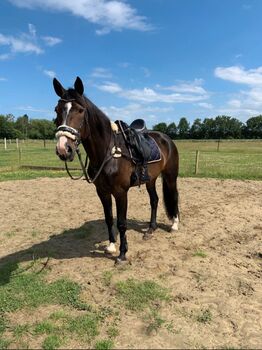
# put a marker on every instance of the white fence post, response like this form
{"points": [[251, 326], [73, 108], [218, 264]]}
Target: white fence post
{"points": [[17, 143], [5, 142]]}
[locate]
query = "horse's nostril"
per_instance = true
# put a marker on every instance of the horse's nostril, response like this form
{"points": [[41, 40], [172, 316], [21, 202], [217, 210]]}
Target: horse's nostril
{"points": [[69, 149]]}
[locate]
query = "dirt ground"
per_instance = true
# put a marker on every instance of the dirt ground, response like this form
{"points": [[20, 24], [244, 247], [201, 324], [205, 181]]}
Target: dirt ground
{"points": [[212, 264]]}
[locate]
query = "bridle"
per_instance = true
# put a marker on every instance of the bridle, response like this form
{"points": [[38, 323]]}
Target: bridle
{"points": [[75, 136]]}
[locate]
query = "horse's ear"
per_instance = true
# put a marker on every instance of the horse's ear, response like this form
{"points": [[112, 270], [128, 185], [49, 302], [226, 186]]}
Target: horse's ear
{"points": [[58, 88], [79, 87]]}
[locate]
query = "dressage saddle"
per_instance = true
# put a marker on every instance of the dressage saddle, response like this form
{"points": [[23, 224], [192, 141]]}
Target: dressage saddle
{"points": [[137, 138]]}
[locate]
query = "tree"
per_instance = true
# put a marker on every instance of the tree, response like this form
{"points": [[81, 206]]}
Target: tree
{"points": [[7, 129], [162, 127], [196, 130], [183, 128], [41, 129], [227, 127], [22, 124], [208, 128], [253, 127], [171, 130]]}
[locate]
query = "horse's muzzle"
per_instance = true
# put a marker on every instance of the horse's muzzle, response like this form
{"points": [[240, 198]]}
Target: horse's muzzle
{"points": [[67, 154]]}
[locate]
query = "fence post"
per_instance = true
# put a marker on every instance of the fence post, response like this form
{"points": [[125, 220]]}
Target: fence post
{"points": [[17, 143], [5, 142], [218, 144], [197, 162], [19, 156]]}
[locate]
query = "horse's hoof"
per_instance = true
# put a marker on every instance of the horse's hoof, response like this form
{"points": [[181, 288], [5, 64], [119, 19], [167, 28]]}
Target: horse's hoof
{"points": [[121, 262], [147, 236]]}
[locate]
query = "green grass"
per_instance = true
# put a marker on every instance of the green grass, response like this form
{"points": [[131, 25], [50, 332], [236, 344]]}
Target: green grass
{"points": [[52, 342], [4, 343], [200, 254], [105, 344], [204, 316], [138, 295], [236, 159], [154, 321], [22, 287], [31, 290], [107, 278], [45, 327]]}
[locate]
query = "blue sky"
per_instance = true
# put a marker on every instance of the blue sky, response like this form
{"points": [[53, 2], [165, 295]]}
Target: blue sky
{"points": [[154, 59]]}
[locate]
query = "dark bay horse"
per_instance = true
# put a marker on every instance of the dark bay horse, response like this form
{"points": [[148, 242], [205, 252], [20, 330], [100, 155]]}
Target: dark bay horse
{"points": [[79, 120]]}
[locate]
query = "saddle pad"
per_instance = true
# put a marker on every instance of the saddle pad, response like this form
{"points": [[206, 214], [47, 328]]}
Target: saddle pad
{"points": [[154, 156]]}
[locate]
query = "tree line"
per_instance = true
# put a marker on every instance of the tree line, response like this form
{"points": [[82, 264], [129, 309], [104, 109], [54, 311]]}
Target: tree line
{"points": [[25, 128], [220, 127]]}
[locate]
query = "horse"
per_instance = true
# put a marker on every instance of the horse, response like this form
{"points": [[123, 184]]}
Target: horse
{"points": [[78, 120]]}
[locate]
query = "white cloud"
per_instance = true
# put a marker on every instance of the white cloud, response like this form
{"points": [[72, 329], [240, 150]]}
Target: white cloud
{"points": [[240, 75], [25, 43], [51, 40], [136, 110], [193, 87], [205, 105], [109, 14], [146, 72], [149, 95], [244, 103], [110, 87], [33, 109], [3, 79], [5, 56], [49, 73], [21, 44], [100, 72]]}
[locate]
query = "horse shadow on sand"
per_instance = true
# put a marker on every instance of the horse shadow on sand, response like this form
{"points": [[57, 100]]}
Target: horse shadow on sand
{"points": [[84, 241]]}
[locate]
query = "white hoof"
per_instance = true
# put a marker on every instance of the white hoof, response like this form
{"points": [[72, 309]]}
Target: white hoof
{"points": [[111, 248], [175, 222]]}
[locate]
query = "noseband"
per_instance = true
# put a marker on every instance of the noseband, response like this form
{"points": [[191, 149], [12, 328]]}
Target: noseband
{"points": [[68, 131]]}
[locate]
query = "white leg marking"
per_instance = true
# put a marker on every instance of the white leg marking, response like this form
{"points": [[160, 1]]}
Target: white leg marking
{"points": [[110, 248], [175, 222]]}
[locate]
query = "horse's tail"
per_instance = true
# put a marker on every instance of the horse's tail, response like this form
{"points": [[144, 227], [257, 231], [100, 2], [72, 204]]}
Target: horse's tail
{"points": [[169, 181]]}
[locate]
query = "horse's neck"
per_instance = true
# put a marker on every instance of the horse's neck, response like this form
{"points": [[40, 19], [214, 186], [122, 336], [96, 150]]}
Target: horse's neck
{"points": [[98, 142]]}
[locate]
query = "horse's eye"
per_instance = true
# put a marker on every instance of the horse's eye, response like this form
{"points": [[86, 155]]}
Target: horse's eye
{"points": [[81, 110]]}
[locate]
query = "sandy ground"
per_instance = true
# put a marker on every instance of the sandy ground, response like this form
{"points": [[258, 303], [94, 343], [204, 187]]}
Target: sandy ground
{"points": [[212, 263]]}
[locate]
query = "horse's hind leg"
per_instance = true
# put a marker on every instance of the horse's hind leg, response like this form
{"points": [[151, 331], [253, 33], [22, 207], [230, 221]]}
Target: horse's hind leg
{"points": [[170, 194], [151, 189], [106, 200]]}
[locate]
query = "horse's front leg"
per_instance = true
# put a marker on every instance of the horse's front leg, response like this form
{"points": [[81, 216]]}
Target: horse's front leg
{"points": [[151, 189], [121, 208], [106, 200]]}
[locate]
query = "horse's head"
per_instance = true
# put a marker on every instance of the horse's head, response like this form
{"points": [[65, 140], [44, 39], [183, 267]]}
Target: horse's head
{"points": [[70, 119]]}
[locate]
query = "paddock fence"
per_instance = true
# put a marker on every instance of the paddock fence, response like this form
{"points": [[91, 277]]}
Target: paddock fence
{"points": [[204, 158]]}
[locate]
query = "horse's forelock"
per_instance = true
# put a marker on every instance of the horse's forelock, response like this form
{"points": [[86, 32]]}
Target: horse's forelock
{"points": [[71, 94]]}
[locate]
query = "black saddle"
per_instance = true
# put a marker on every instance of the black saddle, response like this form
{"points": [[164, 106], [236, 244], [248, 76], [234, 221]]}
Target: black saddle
{"points": [[137, 138], [139, 125]]}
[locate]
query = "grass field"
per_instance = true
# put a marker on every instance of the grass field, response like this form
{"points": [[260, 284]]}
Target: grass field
{"points": [[225, 159]]}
